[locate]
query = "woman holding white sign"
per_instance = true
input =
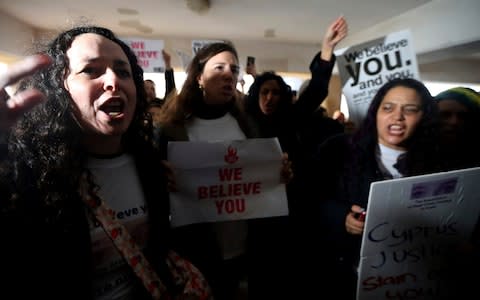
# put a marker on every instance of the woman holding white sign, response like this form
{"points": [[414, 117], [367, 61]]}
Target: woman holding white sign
{"points": [[208, 109], [397, 138]]}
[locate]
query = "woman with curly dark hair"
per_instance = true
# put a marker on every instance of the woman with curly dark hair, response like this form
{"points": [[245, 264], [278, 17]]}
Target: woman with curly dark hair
{"points": [[398, 138], [89, 139]]}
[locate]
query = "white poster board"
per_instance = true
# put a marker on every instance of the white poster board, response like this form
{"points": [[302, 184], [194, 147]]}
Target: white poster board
{"points": [[364, 68], [149, 54], [227, 180], [199, 44], [412, 225], [185, 59]]}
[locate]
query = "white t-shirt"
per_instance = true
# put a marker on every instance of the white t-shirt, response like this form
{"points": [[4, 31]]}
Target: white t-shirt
{"points": [[225, 128], [231, 235], [120, 188]]}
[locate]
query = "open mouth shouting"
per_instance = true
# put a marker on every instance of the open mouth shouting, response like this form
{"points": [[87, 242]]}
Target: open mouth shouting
{"points": [[396, 129], [114, 108]]}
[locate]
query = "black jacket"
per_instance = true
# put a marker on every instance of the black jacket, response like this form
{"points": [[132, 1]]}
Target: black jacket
{"points": [[47, 253]]}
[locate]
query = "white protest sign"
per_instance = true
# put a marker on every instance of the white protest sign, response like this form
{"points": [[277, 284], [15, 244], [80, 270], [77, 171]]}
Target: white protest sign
{"points": [[364, 68], [227, 180], [199, 44], [413, 226], [184, 58], [149, 54]]}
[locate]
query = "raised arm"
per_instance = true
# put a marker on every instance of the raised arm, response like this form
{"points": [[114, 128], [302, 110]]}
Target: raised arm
{"points": [[321, 68], [169, 75]]}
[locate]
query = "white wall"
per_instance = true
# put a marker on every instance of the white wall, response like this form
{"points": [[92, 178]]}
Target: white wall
{"points": [[15, 37], [435, 25]]}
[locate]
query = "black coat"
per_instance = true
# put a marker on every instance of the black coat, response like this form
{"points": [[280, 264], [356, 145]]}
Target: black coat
{"points": [[47, 253]]}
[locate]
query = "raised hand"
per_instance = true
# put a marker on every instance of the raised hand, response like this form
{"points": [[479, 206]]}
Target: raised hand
{"points": [[11, 108], [336, 32], [167, 59]]}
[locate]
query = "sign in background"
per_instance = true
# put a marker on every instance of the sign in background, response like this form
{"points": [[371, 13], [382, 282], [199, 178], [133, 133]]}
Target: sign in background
{"points": [[414, 226], [364, 68], [149, 54], [199, 44], [227, 180]]}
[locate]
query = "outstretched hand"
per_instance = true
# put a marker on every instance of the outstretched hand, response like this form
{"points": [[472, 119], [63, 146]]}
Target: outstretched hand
{"points": [[11, 108], [335, 33]]}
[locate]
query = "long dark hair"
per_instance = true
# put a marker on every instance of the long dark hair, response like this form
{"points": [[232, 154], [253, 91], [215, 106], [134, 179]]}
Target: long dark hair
{"points": [[420, 157], [45, 146], [177, 108], [276, 122]]}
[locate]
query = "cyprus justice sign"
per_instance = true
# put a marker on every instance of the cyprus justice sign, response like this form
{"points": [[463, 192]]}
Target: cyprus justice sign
{"points": [[415, 231]]}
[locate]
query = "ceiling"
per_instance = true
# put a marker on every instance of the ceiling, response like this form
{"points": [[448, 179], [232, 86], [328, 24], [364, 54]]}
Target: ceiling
{"points": [[289, 25], [301, 21]]}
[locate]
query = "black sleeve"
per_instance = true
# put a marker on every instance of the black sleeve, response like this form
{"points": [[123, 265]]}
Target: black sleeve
{"points": [[317, 89], [169, 82]]}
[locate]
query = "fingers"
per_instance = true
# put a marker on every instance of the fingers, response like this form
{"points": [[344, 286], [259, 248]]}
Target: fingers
{"points": [[340, 31], [17, 106], [336, 32], [352, 225], [12, 108], [25, 67], [357, 209], [339, 26], [24, 101], [337, 23]]}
